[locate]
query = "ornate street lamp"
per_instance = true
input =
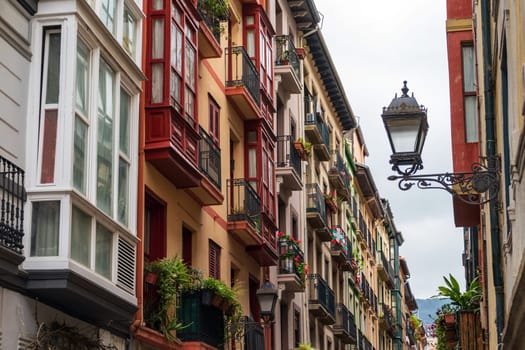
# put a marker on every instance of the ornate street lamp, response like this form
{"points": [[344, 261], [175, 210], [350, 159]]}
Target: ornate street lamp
{"points": [[267, 297], [406, 126]]}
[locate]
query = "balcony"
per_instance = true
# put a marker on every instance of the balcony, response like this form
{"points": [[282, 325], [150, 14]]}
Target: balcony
{"points": [[386, 320], [317, 132], [339, 176], [253, 335], [287, 64], [384, 269], [13, 197], [248, 224], [242, 82], [344, 327], [172, 145], [316, 212], [321, 301], [291, 265], [209, 190], [202, 322], [210, 33], [288, 163], [339, 248]]}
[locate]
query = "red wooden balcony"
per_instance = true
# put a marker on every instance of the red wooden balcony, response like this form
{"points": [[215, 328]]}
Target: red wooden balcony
{"points": [[172, 146]]}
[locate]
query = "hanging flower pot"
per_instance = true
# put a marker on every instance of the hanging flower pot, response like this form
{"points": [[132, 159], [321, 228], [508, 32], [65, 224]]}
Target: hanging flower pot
{"points": [[450, 319], [151, 278]]}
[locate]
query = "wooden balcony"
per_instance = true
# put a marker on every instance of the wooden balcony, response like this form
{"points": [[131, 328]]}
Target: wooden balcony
{"points": [[242, 83], [172, 145]]}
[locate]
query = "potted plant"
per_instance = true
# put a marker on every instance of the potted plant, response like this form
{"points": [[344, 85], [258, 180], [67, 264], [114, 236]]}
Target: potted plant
{"points": [[330, 200]]}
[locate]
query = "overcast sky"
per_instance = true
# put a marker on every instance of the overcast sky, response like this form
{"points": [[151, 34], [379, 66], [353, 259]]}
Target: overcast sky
{"points": [[375, 45]]}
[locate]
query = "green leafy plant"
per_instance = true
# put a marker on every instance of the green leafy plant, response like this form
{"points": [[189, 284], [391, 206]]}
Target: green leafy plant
{"points": [[464, 301], [214, 12]]}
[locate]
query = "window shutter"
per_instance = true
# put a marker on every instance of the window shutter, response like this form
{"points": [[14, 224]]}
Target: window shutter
{"points": [[215, 260]]}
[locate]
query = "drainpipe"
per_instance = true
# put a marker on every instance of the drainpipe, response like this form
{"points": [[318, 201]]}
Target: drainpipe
{"points": [[491, 151]]}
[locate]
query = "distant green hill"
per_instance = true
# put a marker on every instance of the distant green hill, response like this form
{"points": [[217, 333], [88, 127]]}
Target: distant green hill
{"points": [[427, 309]]}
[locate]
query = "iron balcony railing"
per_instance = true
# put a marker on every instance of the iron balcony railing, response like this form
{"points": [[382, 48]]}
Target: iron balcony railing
{"points": [[210, 158], [362, 226], [13, 197], [210, 17], [241, 71], [321, 294], [317, 120], [339, 165], [366, 344], [340, 241], [355, 210], [243, 202], [386, 265], [290, 257], [286, 53], [365, 288], [315, 200], [387, 318], [201, 322], [253, 334], [287, 156], [345, 320]]}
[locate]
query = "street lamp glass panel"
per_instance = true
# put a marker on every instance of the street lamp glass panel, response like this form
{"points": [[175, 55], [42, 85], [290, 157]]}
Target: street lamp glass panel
{"points": [[267, 297], [403, 134]]}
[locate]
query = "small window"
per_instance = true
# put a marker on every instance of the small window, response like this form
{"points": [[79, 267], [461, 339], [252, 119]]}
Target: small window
{"points": [[215, 260], [129, 32], [45, 228], [103, 251], [107, 14], [469, 94], [80, 237]]}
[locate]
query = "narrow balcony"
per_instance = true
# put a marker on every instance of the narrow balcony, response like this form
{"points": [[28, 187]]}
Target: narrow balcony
{"points": [[288, 163], [242, 82], [366, 291], [316, 212], [340, 248], [244, 212], [209, 190], [246, 222], [339, 176], [210, 28], [203, 322], [386, 320], [344, 327], [172, 145], [384, 269], [321, 301], [287, 64], [317, 132], [292, 267], [13, 197]]}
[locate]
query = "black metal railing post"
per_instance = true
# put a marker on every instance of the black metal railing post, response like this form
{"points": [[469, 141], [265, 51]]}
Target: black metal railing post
{"points": [[315, 200], [243, 202], [287, 155]]}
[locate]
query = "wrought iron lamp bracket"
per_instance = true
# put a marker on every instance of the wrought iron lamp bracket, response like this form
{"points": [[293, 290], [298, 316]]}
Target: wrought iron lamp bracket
{"points": [[478, 186]]}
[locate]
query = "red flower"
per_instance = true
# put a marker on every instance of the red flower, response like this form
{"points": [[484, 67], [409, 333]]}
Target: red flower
{"points": [[280, 233]]}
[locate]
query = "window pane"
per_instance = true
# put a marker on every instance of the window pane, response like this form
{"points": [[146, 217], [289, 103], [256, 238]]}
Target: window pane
{"points": [[107, 14], [175, 83], [124, 122], [250, 42], [128, 37], [79, 155], [252, 162], [190, 66], [176, 47], [53, 68], [45, 228], [123, 187], [157, 38], [80, 237], [190, 102], [158, 4], [471, 119], [105, 139], [103, 251], [82, 80], [156, 82], [469, 70]]}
